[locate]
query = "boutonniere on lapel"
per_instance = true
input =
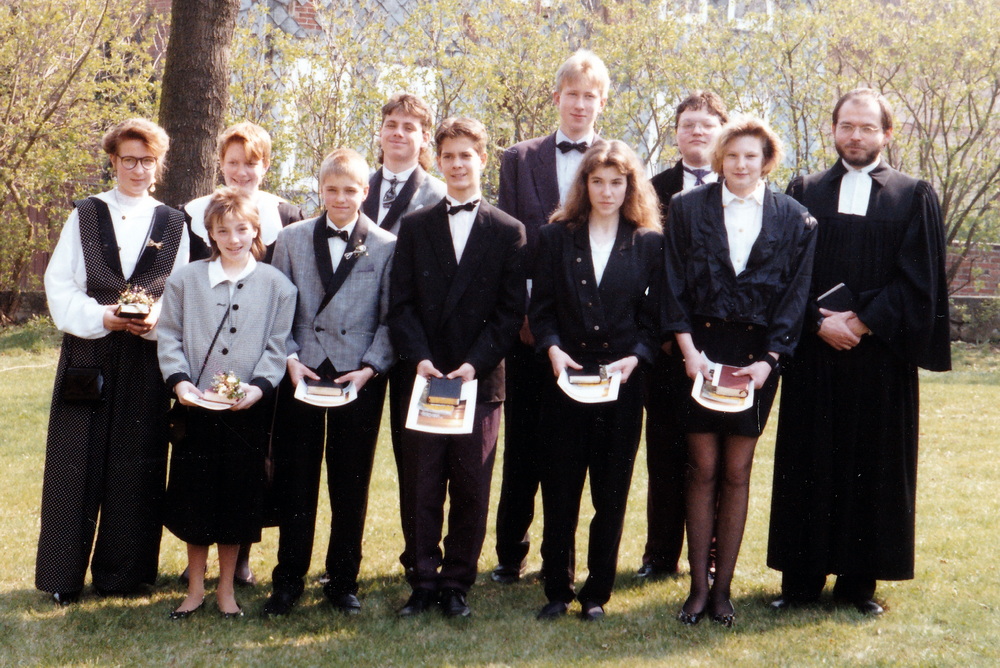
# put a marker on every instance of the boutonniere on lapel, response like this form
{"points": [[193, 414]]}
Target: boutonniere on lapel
{"points": [[158, 245], [358, 251]]}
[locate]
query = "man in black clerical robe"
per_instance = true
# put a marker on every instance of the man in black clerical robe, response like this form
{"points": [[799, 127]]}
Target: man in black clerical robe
{"points": [[845, 469]]}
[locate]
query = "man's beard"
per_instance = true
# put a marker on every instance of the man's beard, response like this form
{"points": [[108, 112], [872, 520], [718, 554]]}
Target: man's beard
{"points": [[867, 158]]}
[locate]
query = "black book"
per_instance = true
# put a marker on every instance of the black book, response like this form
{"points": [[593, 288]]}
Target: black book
{"points": [[325, 388], [838, 298], [447, 391], [590, 374]]}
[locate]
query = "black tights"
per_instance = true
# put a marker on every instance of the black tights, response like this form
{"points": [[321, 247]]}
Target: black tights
{"points": [[718, 489]]}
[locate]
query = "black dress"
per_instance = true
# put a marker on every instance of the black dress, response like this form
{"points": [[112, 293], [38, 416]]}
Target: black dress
{"points": [[736, 319], [845, 467], [108, 459]]}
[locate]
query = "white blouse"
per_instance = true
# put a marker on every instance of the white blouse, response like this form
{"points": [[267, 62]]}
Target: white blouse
{"points": [[267, 212], [73, 311], [744, 217]]}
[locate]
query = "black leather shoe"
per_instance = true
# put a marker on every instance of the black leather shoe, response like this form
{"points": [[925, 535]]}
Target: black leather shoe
{"points": [[453, 603], [419, 602], [784, 603], [552, 610], [280, 602], [651, 572], [249, 581], [869, 607], [503, 574], [727, 619], [65, 598], [346, 603], [591, 612], [184, 614]]}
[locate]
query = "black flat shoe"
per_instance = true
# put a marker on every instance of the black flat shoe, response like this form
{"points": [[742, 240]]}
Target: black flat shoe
{"points": [[453, 603], [345, 603], [727, 619], [419, 602], [690, 618], [591, 612], [280, 603], [503, 574], [184, 614], [553, 610], [249, 581], [65, 598], [232, 615], [869, 607]]}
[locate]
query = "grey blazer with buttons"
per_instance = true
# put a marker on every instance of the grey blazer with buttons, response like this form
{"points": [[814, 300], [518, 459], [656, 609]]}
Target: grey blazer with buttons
{"points": [[340, 316]]}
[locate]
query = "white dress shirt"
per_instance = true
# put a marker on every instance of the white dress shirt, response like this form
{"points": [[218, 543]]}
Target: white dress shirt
{"points": [[73, 311], [461, 225], [216, 274], [744, 216], [267, 213], [337, 245], [599, 255], [856, 190], [689, 178], [401, 177], [568, 162]]}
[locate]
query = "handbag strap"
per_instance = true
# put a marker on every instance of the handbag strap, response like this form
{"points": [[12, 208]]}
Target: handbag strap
{"points": [[211, 345]]}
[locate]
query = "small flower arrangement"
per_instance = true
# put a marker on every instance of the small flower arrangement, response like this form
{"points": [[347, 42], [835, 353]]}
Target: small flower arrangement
{"points": [[358, 251], [134, 302], [225, 388]]}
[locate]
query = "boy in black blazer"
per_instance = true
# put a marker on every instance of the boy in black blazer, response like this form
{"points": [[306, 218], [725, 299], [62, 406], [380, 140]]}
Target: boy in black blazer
{"points": [[535, 176], [456, 303]]}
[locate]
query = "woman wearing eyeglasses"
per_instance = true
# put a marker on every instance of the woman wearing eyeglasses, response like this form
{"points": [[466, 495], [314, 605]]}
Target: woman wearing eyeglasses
{"points": [[106, 454]]}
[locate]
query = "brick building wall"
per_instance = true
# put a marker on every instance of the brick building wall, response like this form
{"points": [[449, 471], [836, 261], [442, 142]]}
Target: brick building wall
{"points": [[979, 273]]}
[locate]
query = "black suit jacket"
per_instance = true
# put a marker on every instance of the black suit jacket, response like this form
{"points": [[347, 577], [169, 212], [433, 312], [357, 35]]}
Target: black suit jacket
{"points": [[668, 183], [529, 184], [452, 313], [597, 323]]}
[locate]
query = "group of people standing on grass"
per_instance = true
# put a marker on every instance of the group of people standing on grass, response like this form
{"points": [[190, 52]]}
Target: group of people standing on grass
{"points": [[583, 261]]}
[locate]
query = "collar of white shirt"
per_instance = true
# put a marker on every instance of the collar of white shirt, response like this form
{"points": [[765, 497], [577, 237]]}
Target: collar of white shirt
{"points": [[866, 170], [402, 176], [560, 137], [216, 274], [756, 196], [349, 228]]}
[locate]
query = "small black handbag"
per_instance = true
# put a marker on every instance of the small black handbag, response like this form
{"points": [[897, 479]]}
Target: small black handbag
{"points": [[82, 384]]}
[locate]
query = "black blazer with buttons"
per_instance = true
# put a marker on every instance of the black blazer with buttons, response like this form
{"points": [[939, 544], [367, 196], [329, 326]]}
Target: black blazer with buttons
{"points": [[591, 322], [455, 312], [773, 288]]}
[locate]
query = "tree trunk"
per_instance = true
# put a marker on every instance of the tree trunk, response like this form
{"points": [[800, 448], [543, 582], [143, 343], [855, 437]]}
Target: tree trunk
{"points": [[195, 94]]}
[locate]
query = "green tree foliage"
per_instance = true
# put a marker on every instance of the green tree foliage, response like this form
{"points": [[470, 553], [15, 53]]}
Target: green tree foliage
{"points": [[69, 69]]}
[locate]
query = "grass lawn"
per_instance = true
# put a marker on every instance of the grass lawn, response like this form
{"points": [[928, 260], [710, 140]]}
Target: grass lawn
{"points": [[947, 616]]}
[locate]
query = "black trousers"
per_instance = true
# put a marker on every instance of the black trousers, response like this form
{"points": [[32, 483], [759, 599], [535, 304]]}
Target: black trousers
{"points": [[400, 389], [459, 467], [666, 460], [525, 376], [351, 433], [601, 438]]}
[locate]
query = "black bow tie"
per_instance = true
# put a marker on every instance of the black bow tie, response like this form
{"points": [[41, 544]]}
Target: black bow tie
{"points": [[699, 175], [468, 206], [567, 146], [340, 234]]}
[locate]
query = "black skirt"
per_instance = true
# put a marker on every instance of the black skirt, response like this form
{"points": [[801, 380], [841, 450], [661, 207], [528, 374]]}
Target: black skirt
{"points": [[215, 492], [737, 344]]}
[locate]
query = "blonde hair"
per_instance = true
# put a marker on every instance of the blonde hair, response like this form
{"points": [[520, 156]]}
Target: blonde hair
{"points": [[231, 201], [640, 208], [748, 126], [344, 162], [255, 140], [584, 66], [149, 133]]}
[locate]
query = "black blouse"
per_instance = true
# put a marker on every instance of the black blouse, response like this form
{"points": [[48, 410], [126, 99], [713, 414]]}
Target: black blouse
{"points": [[701, 282]]}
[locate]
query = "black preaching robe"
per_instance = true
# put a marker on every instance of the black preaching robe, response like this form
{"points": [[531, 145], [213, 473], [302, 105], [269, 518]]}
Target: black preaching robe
{"points": [[845, 469]]}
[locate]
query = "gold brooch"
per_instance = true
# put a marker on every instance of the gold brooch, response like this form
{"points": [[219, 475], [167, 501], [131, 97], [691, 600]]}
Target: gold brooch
{"points": [[158, 245]]}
